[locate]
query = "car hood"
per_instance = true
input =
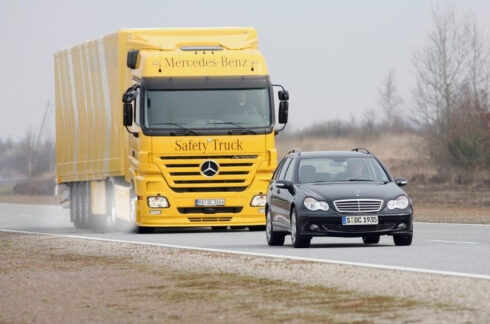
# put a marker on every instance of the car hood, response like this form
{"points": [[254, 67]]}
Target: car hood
{"points": [[356, 190]]}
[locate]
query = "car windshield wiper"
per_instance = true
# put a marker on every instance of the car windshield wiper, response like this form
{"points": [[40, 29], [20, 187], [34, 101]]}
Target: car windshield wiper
{"points": [[370, 180], [239, 126], [179, 125]]}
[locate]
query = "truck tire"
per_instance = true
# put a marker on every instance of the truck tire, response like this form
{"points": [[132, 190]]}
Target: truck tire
{"points": [[77, 216], [86, 211], [107, 222]]}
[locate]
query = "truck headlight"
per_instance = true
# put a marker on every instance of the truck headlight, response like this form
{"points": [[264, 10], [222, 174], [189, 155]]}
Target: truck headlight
{"points": [[400, 203], [313, 204], [258, 201], [158, 202]]}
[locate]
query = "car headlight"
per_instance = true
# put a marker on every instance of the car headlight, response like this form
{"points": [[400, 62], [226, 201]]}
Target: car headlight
{"points": [[400, 203], [158, 202], [313, 204], [258, 201]]}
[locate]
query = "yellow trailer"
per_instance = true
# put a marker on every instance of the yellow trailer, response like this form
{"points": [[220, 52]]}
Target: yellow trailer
{"points": [[166, 127]]}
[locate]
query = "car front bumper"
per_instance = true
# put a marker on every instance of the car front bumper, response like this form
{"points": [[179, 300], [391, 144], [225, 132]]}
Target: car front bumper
{"points": [[332, 226]]}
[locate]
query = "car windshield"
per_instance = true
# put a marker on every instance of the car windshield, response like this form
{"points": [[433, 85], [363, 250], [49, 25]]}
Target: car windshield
{"points": [[333, 169], [207, 109]]}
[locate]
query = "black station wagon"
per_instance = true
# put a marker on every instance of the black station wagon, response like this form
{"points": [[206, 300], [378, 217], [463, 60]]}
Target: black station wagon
{"points": [[336, 193]]}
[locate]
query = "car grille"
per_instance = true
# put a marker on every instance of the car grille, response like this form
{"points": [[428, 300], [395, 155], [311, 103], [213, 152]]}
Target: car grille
{"points": [[358, 228], [358, 205], [183, 173]]}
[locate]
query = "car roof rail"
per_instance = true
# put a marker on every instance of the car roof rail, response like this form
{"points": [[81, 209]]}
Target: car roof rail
{"points": [[361, 149], [295, 150]]}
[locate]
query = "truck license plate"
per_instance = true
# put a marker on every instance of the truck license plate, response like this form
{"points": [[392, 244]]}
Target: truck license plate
{"points": [[210, 202], [359, 220]]}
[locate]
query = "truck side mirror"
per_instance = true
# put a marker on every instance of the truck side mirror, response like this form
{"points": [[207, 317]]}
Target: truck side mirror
{"points": [[283, 112], [132, 59], [127, 114], [283, 95]]}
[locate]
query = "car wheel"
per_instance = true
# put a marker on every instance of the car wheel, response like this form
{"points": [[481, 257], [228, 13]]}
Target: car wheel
{"points": [[273, 238], [256, 228], [402, 240], [371, 239], [298, 240]]}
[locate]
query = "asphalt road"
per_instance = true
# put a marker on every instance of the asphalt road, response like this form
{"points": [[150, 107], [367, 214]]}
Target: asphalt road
{"points": [[452, 249]]}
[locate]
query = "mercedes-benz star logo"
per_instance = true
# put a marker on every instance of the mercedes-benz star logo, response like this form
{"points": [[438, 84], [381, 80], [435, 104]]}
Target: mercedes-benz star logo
{"points": [[209, 168]]}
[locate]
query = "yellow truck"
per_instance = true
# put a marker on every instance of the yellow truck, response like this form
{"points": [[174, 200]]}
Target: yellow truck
{"points": [[166, 128]]}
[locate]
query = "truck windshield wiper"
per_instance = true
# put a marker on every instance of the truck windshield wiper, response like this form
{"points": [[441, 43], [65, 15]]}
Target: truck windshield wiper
{"points": [[239, 126], [179, 125]]}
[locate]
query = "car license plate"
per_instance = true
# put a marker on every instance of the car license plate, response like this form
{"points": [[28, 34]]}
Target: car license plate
{"points": [[359, 220], [210, 202]]}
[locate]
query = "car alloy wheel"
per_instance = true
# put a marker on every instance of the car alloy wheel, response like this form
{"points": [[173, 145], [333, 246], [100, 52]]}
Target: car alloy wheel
{"points": [[298, 240]]}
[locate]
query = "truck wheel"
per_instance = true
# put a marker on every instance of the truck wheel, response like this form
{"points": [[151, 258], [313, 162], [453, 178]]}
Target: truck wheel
{"points": [[77, 208], [72, 202], [402, 240], [298, 240], [107, 222], [132, 215], [273, 238], [371, 239], [85, 216]]}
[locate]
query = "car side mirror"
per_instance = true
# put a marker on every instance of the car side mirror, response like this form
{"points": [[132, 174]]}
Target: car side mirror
{"points": [[284, 184], [127, 114], [283, 112], [401, 182]]}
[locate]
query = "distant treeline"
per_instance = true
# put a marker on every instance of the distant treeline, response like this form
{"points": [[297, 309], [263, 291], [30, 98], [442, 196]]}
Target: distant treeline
{"points": [[26, 158]]}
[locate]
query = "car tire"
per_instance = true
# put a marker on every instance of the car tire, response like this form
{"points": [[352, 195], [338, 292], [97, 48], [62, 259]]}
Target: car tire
{"points": [[402, 240], [298, 240], [144, 230], [371, 239], [256, 228], [273, 238]]}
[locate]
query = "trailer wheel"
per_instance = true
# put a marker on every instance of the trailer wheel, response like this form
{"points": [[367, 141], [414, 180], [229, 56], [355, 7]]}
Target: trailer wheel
{"points": [[86, 212], [77, 208]]}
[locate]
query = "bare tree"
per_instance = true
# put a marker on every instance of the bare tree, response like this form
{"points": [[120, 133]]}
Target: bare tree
{"points": [[451, 71], [390, 101]]}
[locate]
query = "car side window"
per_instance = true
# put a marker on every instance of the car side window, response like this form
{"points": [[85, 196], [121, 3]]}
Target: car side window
{"points": [[283, 169], [278, 169], [289, 173]]}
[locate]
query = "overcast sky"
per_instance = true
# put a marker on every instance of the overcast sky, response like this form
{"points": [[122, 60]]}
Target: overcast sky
{"points": [[331, 55]]}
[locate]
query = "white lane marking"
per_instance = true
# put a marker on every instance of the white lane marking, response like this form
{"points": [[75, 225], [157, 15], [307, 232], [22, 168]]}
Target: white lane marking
{"points": [[275, 256], [451, 224], [457, 242]]}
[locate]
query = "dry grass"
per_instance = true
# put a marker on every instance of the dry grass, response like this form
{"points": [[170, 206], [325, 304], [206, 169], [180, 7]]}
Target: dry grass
{"points": [[62, 284], [403, 154]]}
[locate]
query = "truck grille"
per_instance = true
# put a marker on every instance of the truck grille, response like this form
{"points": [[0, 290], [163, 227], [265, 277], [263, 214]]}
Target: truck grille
{"points": [[208, 219], [209, 210], [358, 205], [183, 173]]}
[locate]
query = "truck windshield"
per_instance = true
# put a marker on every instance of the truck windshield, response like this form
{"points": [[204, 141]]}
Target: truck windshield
{"points": [[207, 109]]}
